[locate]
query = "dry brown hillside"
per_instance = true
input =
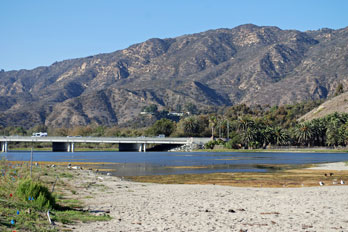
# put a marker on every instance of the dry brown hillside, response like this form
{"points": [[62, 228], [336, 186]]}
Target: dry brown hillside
{"points": [[337, 104]]}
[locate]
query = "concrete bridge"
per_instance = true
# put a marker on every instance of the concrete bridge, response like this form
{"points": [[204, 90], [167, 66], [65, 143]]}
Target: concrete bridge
{"points": [[125, 144]]}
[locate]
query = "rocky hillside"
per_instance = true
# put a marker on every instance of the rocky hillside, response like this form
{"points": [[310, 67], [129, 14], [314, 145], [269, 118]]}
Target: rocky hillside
{"points": [[247, 64]]}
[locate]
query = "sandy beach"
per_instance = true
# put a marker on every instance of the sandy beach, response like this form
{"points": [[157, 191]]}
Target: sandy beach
{"points": [[155, 207], [339, 166]]}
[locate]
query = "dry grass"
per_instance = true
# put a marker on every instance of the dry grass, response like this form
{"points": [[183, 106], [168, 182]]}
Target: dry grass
{"points": [[286, 178]]}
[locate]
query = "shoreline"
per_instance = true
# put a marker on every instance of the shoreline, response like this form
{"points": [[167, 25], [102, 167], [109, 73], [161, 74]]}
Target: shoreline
{"points": [[294, 150], [336, 166], [276, 175], [136, 206], [299, 150], [204, 206]]}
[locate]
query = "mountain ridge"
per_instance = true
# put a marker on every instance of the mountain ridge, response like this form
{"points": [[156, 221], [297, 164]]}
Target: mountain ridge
{"points": [[247, 64]]}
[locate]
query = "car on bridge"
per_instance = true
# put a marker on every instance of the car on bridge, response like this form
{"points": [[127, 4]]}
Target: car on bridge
{"points": [[39, 134]]}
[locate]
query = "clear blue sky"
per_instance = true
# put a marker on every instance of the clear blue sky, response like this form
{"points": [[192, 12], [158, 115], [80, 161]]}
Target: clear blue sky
{"points": [[39, 32]]}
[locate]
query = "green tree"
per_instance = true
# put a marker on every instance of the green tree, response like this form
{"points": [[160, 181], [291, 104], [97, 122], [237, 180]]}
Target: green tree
{"points": [[339, 89], [281, 136], [268, 136], [192, 108], [335, 128], [162, 126], [319, 131], [151, 108], [191, 126], [303, 133], [251, 132], [235, 141], [18, 131]]}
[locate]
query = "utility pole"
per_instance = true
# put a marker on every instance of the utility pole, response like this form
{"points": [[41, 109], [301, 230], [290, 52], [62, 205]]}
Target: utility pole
{"points": [[220, 130], [228, 130], [31, 162]]}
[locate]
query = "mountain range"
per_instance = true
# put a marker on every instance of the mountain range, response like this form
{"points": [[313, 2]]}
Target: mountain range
{"points": [[247, 64]]}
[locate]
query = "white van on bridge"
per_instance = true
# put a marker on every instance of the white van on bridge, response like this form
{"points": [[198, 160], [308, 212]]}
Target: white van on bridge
{"points": [[39, 134]]}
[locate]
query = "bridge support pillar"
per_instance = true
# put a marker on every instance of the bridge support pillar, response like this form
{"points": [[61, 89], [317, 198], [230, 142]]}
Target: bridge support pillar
{"points": [[70, 147], [4, 146], [142, 147]]}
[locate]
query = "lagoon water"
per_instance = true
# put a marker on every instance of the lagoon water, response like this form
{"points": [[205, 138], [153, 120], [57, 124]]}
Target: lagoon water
{"points": [[161, 163]]}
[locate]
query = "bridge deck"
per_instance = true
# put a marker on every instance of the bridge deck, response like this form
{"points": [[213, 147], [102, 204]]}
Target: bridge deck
{"points": [[125, 144], [152, 140]]}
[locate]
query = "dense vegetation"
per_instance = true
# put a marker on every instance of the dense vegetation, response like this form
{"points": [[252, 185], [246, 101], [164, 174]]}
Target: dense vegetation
{"points": [[235, 127]]}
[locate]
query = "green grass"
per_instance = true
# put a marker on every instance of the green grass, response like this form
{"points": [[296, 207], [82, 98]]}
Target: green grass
{"points": [[71, 203], [15, 187], [74, 216]]}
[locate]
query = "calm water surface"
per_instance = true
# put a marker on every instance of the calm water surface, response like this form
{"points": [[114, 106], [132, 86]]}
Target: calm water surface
{"points": [[159, 163]]}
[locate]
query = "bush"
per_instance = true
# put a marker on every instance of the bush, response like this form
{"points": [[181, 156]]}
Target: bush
{"points": [[210, 144], [43, 199], [234, 143], [220, 142]]}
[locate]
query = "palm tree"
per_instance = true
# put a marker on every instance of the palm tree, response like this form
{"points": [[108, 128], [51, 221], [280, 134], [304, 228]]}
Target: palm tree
{"points": [[333, 124], [250, 132], [303, 133], [212, 124], [249, 138], [280, 136], [319, 131], [244, 123], [191, 126], [267, 136]]}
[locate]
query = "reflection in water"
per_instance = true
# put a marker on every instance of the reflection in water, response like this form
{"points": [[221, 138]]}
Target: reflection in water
{"points": [[162, 163]]}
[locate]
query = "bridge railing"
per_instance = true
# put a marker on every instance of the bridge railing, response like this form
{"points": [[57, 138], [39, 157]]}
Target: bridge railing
{"points": [[96, 139]]}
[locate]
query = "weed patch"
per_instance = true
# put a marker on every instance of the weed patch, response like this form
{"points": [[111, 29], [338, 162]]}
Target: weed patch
{"points": [[24, 201]]}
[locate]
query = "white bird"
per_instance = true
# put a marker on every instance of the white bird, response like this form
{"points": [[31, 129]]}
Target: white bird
{"points": [[342, 182], [321, 183]]}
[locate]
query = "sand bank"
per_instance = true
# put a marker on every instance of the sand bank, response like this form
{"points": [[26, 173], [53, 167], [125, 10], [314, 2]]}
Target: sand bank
{"points": [[155, 207], [339, 166]]}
